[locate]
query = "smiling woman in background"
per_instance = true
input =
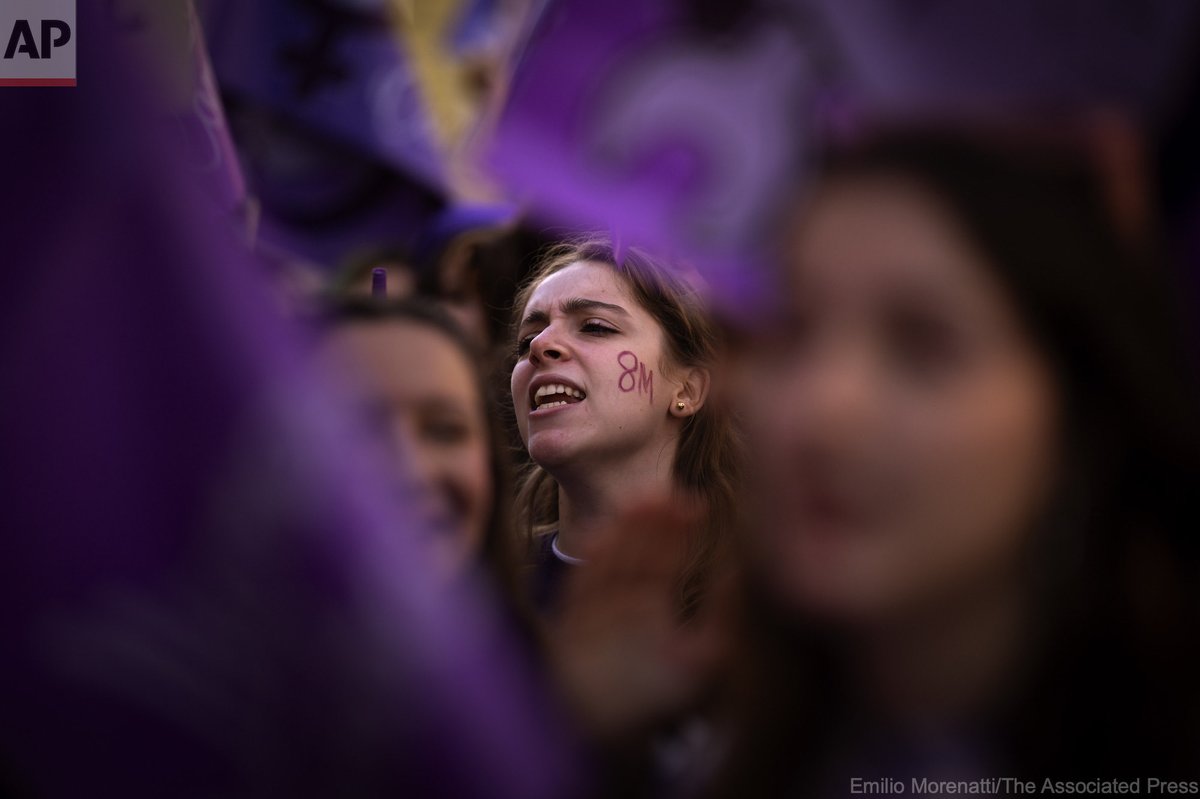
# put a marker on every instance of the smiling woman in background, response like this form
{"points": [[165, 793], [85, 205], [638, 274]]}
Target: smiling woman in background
{"points": [[415, 377]]}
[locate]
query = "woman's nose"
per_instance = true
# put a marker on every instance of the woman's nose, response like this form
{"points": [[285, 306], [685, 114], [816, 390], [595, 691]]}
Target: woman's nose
{"points": [[547, 346], [409, 455], [839, 391]]}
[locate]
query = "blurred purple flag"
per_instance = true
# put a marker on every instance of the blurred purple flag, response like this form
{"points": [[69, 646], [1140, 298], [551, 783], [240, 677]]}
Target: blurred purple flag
{"points": [[333, 66], [204, 126], [683, 124], [202, 593], [329, 122], [1013, 56], [642, 124]]}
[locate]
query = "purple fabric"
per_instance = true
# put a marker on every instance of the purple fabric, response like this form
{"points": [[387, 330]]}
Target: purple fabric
{"points": [[202, 592], [330, 65], [206, 128], [686, 136], [332, 133], [627, 122], [998, 56]]}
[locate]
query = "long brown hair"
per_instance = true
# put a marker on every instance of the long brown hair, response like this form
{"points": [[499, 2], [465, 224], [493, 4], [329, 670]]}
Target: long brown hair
{"points": [[707, 461]]}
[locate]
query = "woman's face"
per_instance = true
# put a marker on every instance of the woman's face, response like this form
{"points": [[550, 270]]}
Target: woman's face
{"points": [[418, 390], [902, 426], [588, 387]]}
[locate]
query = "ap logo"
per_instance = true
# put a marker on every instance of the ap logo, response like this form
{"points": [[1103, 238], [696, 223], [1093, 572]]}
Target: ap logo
{"points": [[38, 37]]}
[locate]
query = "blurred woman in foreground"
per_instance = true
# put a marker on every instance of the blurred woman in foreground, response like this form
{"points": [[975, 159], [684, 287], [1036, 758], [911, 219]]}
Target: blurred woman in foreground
{"points": [[976, 458]]}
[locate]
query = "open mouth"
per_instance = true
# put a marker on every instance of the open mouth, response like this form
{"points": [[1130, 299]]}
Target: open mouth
{"points": [[552, 395]]}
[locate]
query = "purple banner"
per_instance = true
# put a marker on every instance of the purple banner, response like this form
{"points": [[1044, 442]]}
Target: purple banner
{"points": [[203, 590]]}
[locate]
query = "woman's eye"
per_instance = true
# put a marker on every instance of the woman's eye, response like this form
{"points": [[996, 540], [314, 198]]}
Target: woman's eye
{"points": [[925, 347], [596, 328], [523, 344], [445, 431], [787, 336]]}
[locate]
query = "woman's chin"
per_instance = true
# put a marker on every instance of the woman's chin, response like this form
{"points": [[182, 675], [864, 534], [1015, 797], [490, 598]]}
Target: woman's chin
{"points": [[551, 448], [832, 591]]}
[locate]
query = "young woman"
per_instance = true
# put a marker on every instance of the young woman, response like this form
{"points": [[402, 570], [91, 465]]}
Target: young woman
{"points": [[612, 390], [417, 379], [976, 464]]}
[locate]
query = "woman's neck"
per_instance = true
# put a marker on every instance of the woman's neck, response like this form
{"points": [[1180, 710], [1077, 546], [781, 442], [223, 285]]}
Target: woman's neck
{"points": [[593, 499], [947, 664]]}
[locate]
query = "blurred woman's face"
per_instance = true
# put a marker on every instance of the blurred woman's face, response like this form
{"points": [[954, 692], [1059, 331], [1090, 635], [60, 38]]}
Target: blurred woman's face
{"points": [[902, 426], [419, 392]]}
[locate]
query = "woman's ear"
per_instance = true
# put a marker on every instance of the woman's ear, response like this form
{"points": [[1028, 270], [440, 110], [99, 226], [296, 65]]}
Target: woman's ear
{"points": [[692, 392]]}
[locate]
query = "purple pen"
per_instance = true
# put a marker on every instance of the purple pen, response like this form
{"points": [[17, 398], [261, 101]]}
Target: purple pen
{"points": [[379, 282]]}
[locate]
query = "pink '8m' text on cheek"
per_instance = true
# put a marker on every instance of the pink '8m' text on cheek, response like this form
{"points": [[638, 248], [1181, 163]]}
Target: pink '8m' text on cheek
{"points": [[634, 375]]}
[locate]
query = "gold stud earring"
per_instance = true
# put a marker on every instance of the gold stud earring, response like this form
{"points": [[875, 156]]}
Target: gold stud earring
{"points": [[679, 406]]}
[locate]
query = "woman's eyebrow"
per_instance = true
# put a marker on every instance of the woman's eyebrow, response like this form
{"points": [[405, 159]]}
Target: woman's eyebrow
{"points": [[576, 305], [535, 318]]}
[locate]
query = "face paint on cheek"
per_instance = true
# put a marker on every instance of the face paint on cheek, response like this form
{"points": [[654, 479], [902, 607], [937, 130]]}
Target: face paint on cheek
{"points": [[634, 375]]}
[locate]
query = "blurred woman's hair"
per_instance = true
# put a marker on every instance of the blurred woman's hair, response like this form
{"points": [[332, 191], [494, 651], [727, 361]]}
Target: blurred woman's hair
{"points": [[707, 461], [499, 554], [1114, 690]]}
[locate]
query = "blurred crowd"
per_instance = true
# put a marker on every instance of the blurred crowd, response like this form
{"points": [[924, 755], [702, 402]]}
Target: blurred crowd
{"points": [[546, 398]]}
